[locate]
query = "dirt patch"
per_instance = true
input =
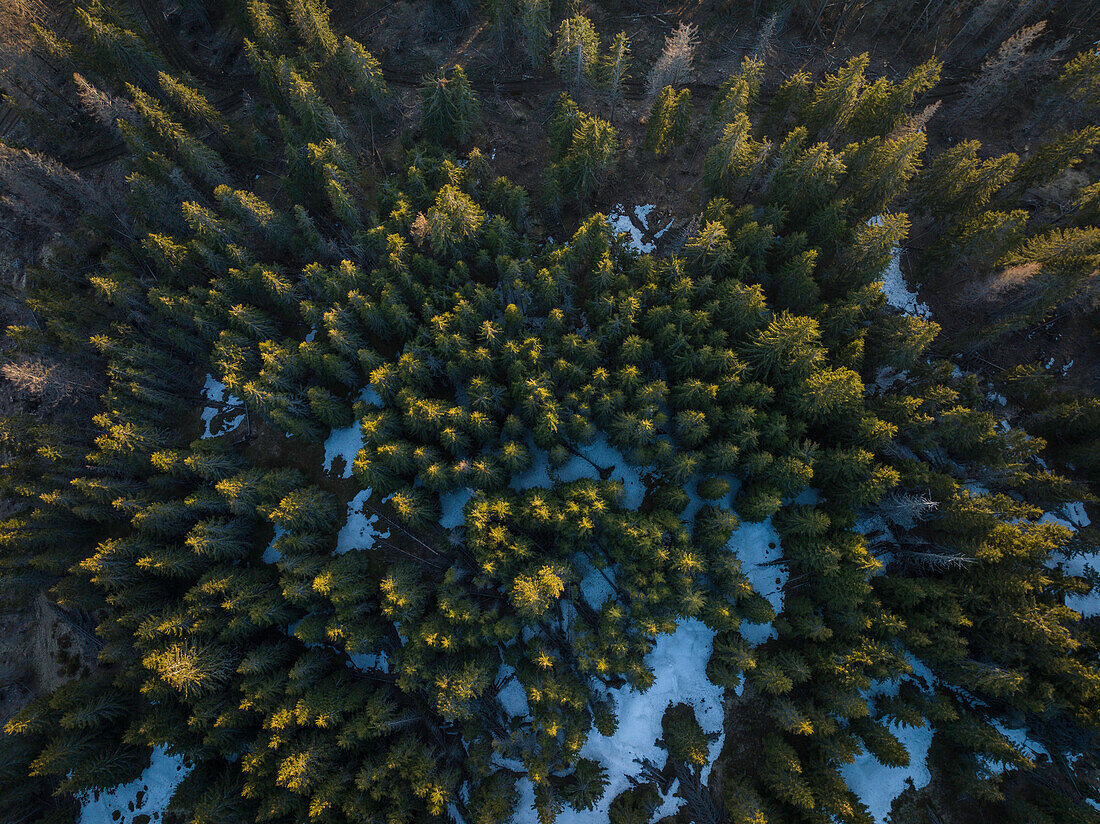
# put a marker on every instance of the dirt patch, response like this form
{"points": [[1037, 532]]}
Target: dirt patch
{"points": [[41, 648]]}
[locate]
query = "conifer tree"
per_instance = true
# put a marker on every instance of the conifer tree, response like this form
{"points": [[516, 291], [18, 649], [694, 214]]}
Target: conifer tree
{"points": [[674, 64], [616, 70], [449, 108], [534, 21], [669, 120], [576, 50]]}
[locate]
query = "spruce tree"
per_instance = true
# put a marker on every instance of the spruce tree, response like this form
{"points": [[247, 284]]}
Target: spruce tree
{"points": [[449, 109]]}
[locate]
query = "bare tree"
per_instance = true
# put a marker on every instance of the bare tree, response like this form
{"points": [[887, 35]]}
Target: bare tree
{"points": [[104, 107], [1001, 70], [51, 384], [916, 122], [40, 189], [764, 49], [906, 510], [674, 64]]}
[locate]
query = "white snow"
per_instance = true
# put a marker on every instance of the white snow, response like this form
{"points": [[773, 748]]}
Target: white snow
{"points": [[1076, 515], [345, 443], [271, 554], [452, 504], [221, 406], [511, 696], [1066, 368], [1021, 740], [1073, 516], [878, 785], [371, 661], [670, 802], [597, 586], [358, 532], [757, 545], [147, 795], [621, 222], [896, 289], [600, 454], [679, 663]]}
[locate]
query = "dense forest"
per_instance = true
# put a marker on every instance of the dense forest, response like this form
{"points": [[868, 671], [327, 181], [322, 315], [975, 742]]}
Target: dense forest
{"points": [[477, 411]]}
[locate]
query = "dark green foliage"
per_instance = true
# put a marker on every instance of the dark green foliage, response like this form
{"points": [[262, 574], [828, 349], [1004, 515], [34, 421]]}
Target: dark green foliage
{"points": [[669, 120], [566, 447], [449, 111]]}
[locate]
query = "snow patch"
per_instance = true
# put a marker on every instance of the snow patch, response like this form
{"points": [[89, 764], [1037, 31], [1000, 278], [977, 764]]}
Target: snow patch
{"points": [[593, 457], [271, 554], [896, 289], [345, 443], [877, 785], [757, 546], [1021, 741], [222, 411], [452, 504], [371, 661], [122, 804], [679, 663], [358, 532], [637, 226], [597, 586], [512, 697]]}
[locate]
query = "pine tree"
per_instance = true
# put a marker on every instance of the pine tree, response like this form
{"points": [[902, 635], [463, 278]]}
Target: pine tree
{"points": [[999, 72], [836, 98], [674, 64], [534, 20], [616, 70], [1080, 80], [734, 162], [449, 108], [576, 50], [669, 120], [1051, 159]]}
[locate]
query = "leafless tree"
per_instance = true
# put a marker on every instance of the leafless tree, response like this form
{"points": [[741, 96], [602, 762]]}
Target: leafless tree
{"points": [[40, 189], [104, 107], [674, 65], [1009, 63], [51, 384], [764, 49], [917, 122], [906, 510]]}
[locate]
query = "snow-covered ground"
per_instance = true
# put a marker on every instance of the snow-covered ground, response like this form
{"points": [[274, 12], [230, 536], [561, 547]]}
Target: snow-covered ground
{"points": [[452, 505], [148, 795], [600, 454], [679, 663], [757, 545], [1073, 516], [621, 222], [271, 554], [876, 784], [371, 660], [345, 443], [511, 696], [896, 289], [358, 531], [1022, 741], [222, 411]]}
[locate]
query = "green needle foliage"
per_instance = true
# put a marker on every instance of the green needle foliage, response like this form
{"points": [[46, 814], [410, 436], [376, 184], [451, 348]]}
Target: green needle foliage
{"points": [[311, 669], [449, 108]]}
